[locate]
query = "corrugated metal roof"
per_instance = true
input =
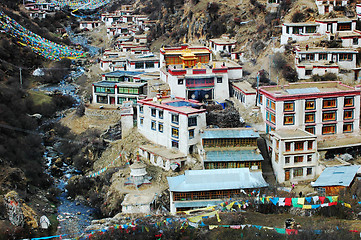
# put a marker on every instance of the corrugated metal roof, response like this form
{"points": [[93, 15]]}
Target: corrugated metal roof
{"points": [[229, 133], [303, 90], [195, 203], [233, 156], [216, 179], [120, 73], [337, 176]]}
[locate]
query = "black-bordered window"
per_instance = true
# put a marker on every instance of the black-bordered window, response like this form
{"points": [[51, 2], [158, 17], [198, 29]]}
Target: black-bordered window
{"points": [[191, 133], [160, 127], [153, 125]]}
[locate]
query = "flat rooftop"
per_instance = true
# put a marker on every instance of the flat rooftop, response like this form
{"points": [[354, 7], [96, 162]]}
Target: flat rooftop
{"points": [[338, 141], [307, 88], [183, 49], [301, 24], [293, 134], [310, 64], [245, 87], [138, 199], [170, 104], [345, 34], [223, 41], [327, 50], [164, 152], [339, 20]]}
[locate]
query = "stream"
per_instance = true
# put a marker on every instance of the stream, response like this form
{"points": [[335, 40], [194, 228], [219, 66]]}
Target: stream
{"points": [[73, 216]]}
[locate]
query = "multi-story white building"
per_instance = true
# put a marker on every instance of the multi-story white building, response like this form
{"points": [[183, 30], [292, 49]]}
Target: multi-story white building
{"points": [[294, 155], [335, 25], [171, 122], [350, 39], [89, 25], [319, 61], [191, 75], [321, 108], [118, 87]]}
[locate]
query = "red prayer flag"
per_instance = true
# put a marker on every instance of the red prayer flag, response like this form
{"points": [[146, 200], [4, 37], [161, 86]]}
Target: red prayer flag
{"points": [[322, 199], [288, 201]]}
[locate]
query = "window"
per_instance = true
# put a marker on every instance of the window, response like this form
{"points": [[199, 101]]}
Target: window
{"points": [[140, 109], [149, 64], [175, 132], [297, 172], [141, 121], [277, 144], [219, 80], [348, 102], [310, 129], [160, 114], [153, 112], [272, 105], [287, 160], [329, 129], [288, 106], [345, 57], [191, 133], [299, 146], [175, 118], [310, 104], [288, 119], [348, 114], [310, 145], [309, 171], [271, 117], [276, 157], [322, 56], [310, 56], [102, 99], [288, 146], [139, 65], [309, 117], [310, 29], [328, 116], [298, 159], [309, 158], [160, 127], [355, 41], [153, 125], [260, 99], [121, 100], [308, 72], [180, 81], [329, 103], [192, 121], [348, 127], [175, 144]]}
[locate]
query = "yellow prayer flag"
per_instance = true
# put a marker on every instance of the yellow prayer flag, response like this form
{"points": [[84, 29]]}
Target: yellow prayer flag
{"points": [[348, 205], [307, 207], [301, 201]]}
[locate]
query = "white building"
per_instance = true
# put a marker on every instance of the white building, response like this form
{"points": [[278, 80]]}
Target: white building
{"points": [[294, 155], [171, 122], [309, 30], [144, 63], [327, 6], [350, 39], [319, 61], [358, 11], [321, 108], [223, 44], [191, 75], [89, 25], [138, 203], [335, 25], [299, 31], [244, 92]]}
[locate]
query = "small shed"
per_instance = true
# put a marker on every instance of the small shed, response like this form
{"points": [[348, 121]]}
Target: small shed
{"points": [[334, 179], [137, 203]]}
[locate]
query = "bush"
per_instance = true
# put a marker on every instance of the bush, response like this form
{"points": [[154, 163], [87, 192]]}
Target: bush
{"points": [[298, 17], [326, 77]]}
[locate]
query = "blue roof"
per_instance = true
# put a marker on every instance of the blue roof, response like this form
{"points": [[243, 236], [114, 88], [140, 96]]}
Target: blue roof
{"points": [[233, 156], [229, 133], [216, 179], [303, 90], [120, 73], [337, 176]]}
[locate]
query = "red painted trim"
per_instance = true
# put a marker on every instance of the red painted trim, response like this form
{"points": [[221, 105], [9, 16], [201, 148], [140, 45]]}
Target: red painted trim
{"points": [[220, 70]]}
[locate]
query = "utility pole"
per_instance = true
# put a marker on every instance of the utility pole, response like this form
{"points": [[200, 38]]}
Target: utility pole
{"points": [[257, 95], [21, 79]]}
